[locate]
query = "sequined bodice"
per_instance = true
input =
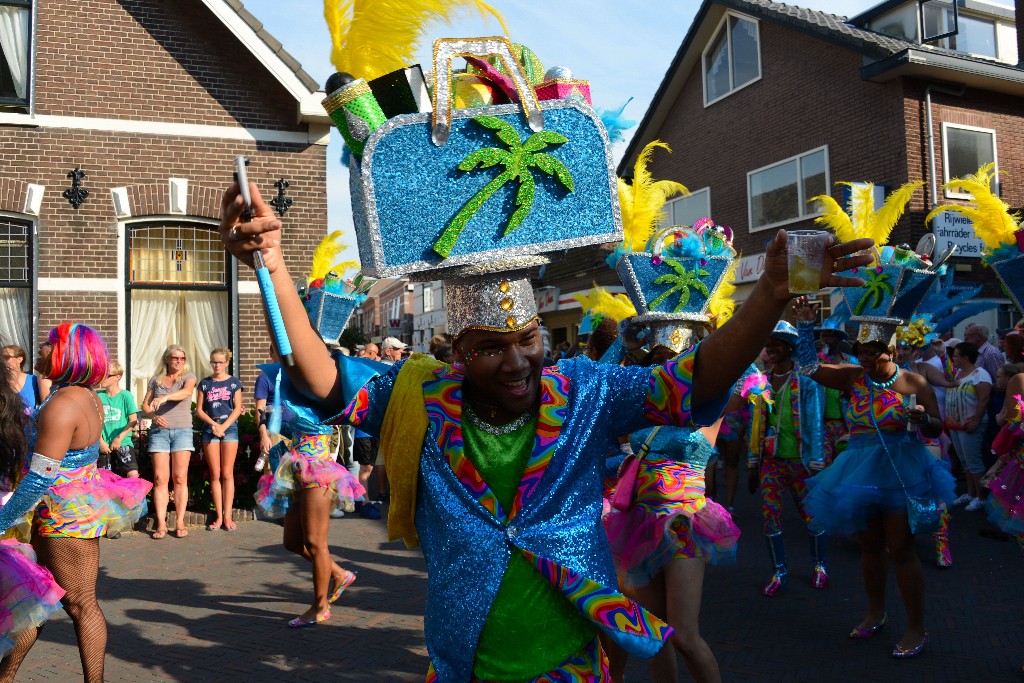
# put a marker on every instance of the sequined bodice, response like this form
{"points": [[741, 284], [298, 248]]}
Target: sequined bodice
{"points": [[675, 443], [75, 457], [885, 405]]}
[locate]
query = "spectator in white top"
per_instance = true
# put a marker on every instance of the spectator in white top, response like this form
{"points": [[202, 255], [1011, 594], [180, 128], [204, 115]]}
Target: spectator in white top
{"points": [[989, 357]]}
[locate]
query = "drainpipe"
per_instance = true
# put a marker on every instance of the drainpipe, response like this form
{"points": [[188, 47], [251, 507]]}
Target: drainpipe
{"points": [[931, 131]]}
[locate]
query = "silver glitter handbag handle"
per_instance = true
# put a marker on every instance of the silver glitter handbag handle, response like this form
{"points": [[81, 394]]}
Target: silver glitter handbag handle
{"points": [[447, 49], [656, 242]]}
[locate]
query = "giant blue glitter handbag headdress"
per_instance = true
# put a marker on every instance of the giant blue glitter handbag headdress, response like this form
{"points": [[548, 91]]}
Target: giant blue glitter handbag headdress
{"points": [[474, 184], [993, 223], [898, 280]]}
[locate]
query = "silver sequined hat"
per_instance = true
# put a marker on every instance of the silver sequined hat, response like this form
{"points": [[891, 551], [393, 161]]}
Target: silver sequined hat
{"points": [[496, 297]]}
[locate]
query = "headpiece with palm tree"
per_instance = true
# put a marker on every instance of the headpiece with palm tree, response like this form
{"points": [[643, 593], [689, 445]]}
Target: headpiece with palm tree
{"points": [[517, 161]]}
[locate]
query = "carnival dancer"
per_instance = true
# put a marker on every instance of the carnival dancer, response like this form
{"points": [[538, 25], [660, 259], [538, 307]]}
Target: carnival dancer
{"points": [[886, 486], [661, 528], [64, 502], [305, 483], [911, 339], [494, 448], [786, 447]]}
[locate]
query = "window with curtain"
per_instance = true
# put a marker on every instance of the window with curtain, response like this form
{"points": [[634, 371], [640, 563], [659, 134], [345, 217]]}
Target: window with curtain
{"points": [[732, 59], [178, 286], [15, 51], [16, 284], [687, 210]]}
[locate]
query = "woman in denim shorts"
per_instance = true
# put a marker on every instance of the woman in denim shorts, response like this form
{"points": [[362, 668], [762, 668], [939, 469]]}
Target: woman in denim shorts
{"points": [[218, 406], [168, 403]]}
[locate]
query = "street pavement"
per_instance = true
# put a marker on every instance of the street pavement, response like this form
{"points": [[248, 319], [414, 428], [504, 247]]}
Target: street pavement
{"points": [[214, 607]]}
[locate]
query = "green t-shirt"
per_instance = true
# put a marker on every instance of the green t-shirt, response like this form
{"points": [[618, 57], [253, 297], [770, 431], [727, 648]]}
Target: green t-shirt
{"points": [[116, 410], [532, 627], [787, 446]]}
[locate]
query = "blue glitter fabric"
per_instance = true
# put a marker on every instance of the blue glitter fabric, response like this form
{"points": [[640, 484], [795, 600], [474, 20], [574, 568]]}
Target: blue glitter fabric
{"points": [[679, 444], [467, 548], [417, 189]]}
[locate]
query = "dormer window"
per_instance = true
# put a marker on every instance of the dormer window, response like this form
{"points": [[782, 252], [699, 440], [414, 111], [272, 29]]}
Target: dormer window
{"points": [[15, 52], [732, 60]]}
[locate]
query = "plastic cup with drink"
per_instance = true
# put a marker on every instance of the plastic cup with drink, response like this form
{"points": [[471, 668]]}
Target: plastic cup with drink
{"points": [[806, 250]]}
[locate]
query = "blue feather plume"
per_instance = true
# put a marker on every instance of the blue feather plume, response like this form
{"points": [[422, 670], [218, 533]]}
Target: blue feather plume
{"points": [[963, 313], [615, 124]]}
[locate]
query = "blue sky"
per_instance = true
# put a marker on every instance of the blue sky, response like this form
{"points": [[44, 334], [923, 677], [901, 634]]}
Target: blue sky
{"points": [[622, 48]]}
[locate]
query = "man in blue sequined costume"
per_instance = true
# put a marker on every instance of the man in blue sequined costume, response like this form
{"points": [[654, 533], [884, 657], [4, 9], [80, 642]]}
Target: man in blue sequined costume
{"points": [[476, 533]]}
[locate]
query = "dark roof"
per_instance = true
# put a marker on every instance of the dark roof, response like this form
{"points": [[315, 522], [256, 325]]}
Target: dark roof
{"points": [[876, 47]]}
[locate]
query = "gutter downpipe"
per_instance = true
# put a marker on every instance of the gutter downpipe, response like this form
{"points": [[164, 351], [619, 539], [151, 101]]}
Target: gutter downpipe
{"points": [[931, 134]]}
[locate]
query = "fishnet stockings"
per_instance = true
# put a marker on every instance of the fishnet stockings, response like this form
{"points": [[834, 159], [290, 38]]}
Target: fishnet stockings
{"points": [[74, 563]]}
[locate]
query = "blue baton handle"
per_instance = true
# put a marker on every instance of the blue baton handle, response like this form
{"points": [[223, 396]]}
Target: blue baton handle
{"points": [[284, 345]]}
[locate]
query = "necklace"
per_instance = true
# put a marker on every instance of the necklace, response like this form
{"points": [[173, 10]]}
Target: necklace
{"points": [[782, 374], [493, 430], [882, 385]]}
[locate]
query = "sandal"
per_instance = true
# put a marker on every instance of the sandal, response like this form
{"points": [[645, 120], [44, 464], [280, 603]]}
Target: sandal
{"points": [[213, 527], [232, 527], [159, 533], [180, 533]]}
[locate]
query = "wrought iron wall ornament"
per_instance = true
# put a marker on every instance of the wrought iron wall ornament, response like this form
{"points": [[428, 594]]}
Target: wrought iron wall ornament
{"points": [[76, 194], [281, 203]]}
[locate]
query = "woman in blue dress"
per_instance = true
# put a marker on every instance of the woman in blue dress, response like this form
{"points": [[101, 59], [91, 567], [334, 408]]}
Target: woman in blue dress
{"points": [[865, 490]]}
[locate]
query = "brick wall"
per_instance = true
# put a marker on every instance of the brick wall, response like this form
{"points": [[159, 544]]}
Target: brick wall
{"points": [[168, 61], [810, 94]]}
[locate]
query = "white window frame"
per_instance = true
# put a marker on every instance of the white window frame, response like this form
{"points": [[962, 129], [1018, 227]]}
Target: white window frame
{"points": [[945, 156], [428, 297], [802, 201], [724, 25], [669, 220]]}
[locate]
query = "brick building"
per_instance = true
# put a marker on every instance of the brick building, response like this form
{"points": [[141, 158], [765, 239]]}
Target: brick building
{"points": [[766, 105], [152, 99]]}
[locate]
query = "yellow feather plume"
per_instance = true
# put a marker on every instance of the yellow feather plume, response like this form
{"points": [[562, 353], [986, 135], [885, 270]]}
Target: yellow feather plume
{"points": [[602, 302], [643, 202], [865, 221], [835, 217], [370, 38], [325, 258], [722, 305], [993, 223]]}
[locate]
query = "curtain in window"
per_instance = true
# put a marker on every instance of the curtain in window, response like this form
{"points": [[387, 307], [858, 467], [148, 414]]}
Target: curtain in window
{"points": [[198, 321], [154, 326], [15, 318], [14, 42]]}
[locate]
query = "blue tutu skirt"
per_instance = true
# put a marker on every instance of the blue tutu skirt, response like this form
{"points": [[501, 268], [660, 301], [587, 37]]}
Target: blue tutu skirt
{"points": [[862, 482]]}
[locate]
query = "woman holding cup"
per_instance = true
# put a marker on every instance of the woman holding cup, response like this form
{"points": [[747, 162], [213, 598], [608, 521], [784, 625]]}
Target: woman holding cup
{"points": [[865, 491]]}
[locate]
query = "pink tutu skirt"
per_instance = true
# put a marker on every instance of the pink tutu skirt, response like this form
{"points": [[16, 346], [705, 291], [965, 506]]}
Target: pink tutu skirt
{"points": [[1005, 506], [670, 519], [87, 502], [308, 465], [28, 593]]}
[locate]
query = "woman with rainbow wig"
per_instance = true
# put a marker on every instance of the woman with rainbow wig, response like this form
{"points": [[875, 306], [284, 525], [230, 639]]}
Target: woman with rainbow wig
{"points": [[64, 502]]}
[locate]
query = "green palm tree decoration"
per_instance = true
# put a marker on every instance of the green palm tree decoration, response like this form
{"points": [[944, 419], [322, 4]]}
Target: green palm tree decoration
{"points": [[681, 280], [877, 285], [517, 160]]}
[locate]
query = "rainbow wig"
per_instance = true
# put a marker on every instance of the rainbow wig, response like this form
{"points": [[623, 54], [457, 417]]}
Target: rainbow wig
{"points": [[79, 355]]}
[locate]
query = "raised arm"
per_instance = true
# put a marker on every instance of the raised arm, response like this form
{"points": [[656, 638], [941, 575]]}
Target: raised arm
{"points": [[829, 375], [726, 354], [314, 373]]}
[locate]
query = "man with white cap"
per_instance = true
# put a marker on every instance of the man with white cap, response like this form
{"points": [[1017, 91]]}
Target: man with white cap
{"points": [[496, 464], [391, 350]]}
